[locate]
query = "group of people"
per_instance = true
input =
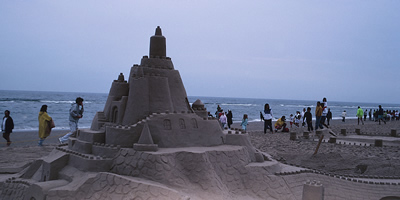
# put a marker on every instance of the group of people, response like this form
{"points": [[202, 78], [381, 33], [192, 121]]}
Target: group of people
{"points": [[387, 115], [377, 115], [46, 123], [267, 116], [226, 119], [322, 114]]}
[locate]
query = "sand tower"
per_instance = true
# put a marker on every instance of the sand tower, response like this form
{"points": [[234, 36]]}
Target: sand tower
{"points": [[154, 95]]}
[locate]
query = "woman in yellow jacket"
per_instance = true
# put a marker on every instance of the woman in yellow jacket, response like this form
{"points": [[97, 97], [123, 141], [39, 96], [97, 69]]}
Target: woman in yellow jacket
{"points": [[281, 124], [44, 120]]}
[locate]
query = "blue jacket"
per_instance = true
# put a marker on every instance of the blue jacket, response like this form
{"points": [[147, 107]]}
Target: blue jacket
{"points": [[75, 112]]}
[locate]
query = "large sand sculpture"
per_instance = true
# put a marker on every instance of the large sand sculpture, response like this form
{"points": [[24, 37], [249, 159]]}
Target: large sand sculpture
{"points": [[149, 143]]}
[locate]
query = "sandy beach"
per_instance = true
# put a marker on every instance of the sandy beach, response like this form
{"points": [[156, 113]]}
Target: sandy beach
{"points": [[352, 158], [362, 158]]}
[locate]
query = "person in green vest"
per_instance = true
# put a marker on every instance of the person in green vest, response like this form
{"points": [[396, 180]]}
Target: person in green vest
{"points": [[360, 114]]}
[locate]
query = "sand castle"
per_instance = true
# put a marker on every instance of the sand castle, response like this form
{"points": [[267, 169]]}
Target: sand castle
{"points": [[150, 143]]}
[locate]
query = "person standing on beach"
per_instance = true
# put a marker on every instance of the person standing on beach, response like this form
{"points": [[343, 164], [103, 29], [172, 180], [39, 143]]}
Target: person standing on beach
{"points": [[370, 114], [267, 116], [324, 106], [223, 120], [303, 124], [218, 112], [318, 115], [365, 115], [344, 116], [229, 116], [329, 115], [75, 113], [308, 117], [360, 114], [291, 120], [245, 122], [323, 115], [7, 126], [297, 118], [380, 115], [44, 120]]}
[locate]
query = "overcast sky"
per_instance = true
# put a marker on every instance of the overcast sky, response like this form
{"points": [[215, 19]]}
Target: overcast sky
{"points": [[303, 50]]}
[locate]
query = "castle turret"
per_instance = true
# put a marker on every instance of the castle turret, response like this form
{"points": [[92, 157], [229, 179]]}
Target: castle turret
{"points": [[157, 44], [154, 85]]}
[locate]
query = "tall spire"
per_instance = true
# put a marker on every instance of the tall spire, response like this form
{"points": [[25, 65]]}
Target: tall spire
{"points": [[157, 44], [158, 31]]}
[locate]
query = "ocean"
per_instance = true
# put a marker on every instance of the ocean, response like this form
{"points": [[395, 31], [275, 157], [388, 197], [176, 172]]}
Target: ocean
{"points": [[25, 105]]}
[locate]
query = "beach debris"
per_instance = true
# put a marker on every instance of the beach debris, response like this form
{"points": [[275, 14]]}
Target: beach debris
{"points": [[332, 133], [319, 143]]}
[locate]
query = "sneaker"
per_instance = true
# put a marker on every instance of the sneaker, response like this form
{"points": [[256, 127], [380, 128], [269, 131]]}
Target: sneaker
{"points": [[59, 139], [9, 143]]}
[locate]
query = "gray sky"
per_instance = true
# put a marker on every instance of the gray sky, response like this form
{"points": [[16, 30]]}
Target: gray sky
{"points": [[304, 50]]}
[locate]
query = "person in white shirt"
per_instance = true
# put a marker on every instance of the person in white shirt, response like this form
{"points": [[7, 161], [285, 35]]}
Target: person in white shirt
{"points": [[223, 119], [344, 116], [267, 116], [303, 117]]}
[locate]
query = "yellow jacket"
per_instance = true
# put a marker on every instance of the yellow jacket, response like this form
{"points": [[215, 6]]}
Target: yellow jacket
{"points": [[44, 118], [280, 122], [318, 111]]}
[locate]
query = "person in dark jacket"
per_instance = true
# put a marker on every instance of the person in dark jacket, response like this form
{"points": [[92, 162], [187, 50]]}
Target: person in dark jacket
{"points": [[329, 115], [380, 115], [308, 117], [229, 116], [7, 125]]}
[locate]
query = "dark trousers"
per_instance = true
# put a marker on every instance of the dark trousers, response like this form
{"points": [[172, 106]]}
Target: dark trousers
{"points": [[267, 125], [6, 136], [322, 122], [310, 127], [318, 122]]}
